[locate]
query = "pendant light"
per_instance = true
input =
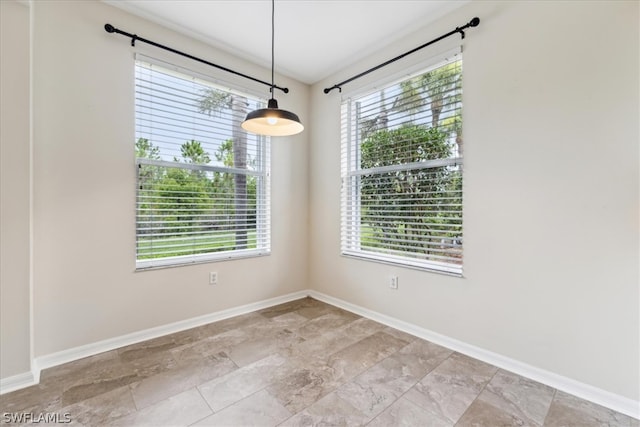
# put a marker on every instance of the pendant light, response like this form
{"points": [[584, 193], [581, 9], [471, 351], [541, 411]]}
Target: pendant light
{"points": [[272, 121]]}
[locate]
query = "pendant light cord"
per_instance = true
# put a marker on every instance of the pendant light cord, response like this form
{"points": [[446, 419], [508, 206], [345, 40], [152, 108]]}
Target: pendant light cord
{"points": [[273, 36]]}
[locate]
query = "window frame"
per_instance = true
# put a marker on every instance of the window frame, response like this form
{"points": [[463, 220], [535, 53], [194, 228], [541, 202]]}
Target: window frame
{"points": [[262, 173], [351, 172]]}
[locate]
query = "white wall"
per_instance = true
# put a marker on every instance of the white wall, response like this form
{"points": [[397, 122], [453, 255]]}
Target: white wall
{"points": [[14, 189], [551, 196], [86, 289]]}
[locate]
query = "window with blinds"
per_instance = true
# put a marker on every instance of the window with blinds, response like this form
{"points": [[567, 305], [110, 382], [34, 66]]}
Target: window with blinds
{"points": [[402, 171], [202, 181]]}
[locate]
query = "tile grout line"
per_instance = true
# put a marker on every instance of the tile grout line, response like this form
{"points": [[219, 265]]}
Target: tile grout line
{"points": [[413, 385], [205, 401], [544, 420], [477, 397], [371, 367], [420, 380], [341, 329]]}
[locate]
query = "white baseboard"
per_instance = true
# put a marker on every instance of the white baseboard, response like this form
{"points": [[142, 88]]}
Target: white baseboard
{"points": [[17, 382], [76, 353], [588, 392], [43, 362]]}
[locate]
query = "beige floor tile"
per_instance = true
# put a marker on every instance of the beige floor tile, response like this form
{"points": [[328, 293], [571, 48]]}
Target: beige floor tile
{"points": [[324, 344], [89, 377], [399, 334], [236, 322], [183, 377], [404, 413], [571, 411], [421, 357], [379, 386], [483, 414], [362, 328], [301, 382], [368, 398], [290, 321], [69, 372], [325, 323], [449, 389], [338, 338], [272, 327], [356, 358], [146, 348], [99, 383], [315, 308], [259, 409], [230, 388], [209, 346], [152, 364], [290, 307], [331, 410], [35, 399], [520, 397], [182, 409], [255, 349], [102, 409], [307, 379]]}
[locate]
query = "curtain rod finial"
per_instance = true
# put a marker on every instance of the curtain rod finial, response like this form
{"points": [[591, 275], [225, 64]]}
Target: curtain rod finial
{"points": [[475, 22], [329, 89], [109, 28]]}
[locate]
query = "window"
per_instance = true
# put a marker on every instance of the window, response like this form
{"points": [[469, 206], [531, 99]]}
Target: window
{"points": [[402, 171], [202, 181]]}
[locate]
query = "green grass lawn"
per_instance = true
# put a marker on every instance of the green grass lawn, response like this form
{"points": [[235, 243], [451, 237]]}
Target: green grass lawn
{"points": [[217, 241]]}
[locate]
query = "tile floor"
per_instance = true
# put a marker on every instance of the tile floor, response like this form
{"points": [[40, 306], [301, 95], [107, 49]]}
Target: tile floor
{"points": [[301, 363]]}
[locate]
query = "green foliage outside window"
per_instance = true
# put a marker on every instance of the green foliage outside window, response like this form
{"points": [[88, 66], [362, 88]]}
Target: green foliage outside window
{"points": [[180, 203]]}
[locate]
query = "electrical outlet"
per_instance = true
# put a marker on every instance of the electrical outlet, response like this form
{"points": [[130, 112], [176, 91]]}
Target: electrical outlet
{"points": [[213, 278], [393, 282]]}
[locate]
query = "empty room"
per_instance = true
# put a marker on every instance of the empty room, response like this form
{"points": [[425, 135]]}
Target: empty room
{"points": [[298, 213]]}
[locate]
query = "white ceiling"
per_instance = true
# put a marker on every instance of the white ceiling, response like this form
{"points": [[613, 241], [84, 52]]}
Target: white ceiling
{"points": [[313, 38]]}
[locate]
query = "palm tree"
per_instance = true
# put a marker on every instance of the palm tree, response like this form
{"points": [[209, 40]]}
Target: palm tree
{"points": [[214, 101], [436, 89], [441, 86]]}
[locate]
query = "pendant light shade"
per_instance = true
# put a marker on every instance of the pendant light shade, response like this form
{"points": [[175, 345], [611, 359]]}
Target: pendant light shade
{"points": [[272, 121]]}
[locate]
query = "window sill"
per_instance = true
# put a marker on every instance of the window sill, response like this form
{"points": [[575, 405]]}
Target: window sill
{"points": [[182, 261], [430, 267]]}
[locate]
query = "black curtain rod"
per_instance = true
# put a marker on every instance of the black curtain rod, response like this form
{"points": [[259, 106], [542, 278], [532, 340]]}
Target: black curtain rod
{"points": [[473, 23], [134, 37]]}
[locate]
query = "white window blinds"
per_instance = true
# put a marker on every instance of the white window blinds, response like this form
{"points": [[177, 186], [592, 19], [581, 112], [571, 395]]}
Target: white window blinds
{"points": [[402, 171], [202, 181]]}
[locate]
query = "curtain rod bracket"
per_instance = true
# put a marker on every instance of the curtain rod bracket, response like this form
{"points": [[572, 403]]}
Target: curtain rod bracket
{"points": [[473, 23], [329, 89], [134, 37]]}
